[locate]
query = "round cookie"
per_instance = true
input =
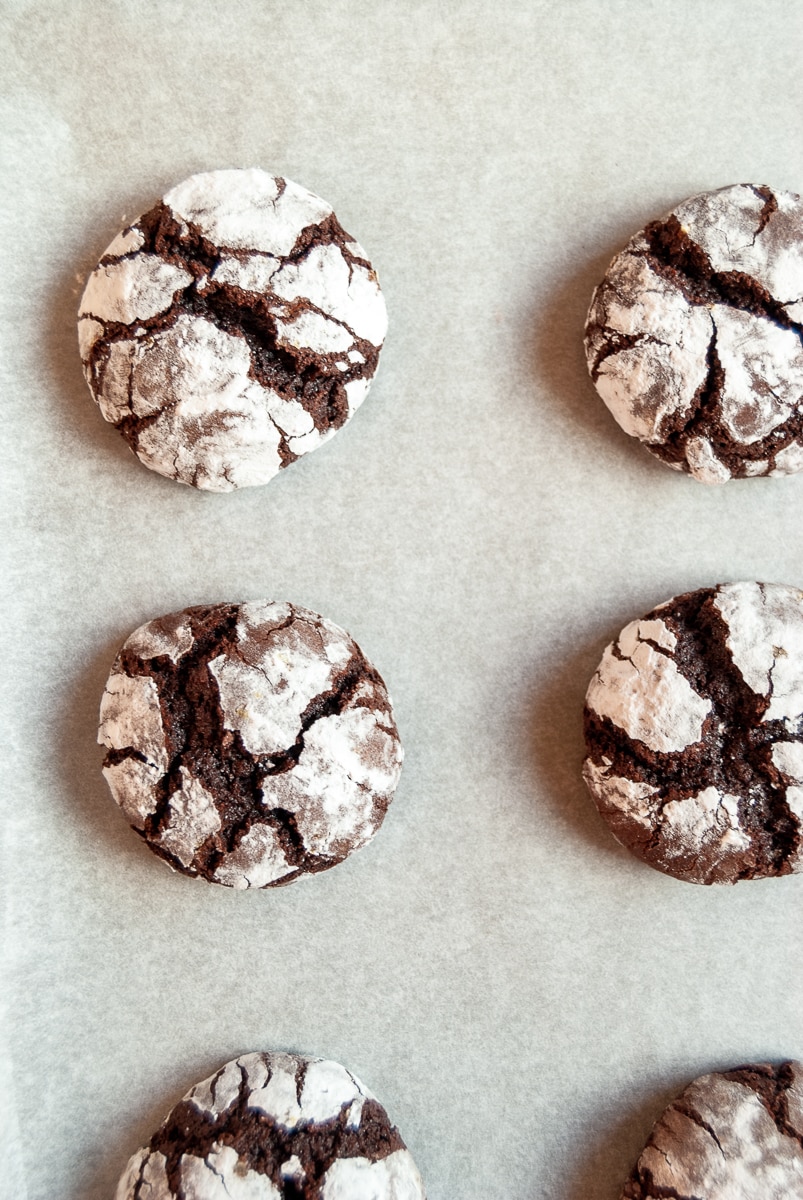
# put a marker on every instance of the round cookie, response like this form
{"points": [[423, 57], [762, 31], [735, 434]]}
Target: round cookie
{"points": [[249, 744], [231, 329], [731, 1135], [694, 734], [275, 1127], [693, 338]]}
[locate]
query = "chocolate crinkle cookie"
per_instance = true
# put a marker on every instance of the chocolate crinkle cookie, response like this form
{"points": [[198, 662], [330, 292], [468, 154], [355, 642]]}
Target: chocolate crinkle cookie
{"points": [[731, 1135], [275, 1127], [249, 744], [694, 734], [231, 329], [693, 338]]}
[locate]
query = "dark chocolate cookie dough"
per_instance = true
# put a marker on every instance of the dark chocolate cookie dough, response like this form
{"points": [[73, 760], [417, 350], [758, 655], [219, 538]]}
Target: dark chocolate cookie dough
{"points": [[731, 1135], [275, 1127], [231, 329], [693, 338], [694, 734], [249, 744]]}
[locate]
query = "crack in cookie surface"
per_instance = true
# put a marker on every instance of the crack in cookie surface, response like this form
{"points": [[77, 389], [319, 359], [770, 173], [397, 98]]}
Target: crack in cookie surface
{"points": [[231, 329], [693, 338], [249, 744]]}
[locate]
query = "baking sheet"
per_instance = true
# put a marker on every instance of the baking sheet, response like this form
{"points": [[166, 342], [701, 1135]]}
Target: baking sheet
{"points": [[522, 995]]}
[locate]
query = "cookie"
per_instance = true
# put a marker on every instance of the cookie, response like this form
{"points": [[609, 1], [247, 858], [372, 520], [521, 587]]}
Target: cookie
{"points": [[231, 329], [694, 734], [270, 1127], [693, 339], [249, 744], [731, 1135]]}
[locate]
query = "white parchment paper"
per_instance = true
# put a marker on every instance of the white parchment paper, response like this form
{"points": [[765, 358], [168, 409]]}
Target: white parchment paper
{"points": [[522, 995]]}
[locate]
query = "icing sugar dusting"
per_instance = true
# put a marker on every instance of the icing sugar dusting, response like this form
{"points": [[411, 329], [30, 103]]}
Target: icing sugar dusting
{"points": [[247, 209], [133, 289], [213, 1096], [277, 754], [729, 1148], [788, 758], [307, 1109], [658, 377], [765, 638], [132, 783], [215, 430], [193, 817], [194, 366], [640, 690], [687, 341], [145, 1178], [763, 365], [221, 1176], [773, 256], [328, 1088], [257, 860], [130, 716], [709, 818], [632, 798], [393, 1178]]}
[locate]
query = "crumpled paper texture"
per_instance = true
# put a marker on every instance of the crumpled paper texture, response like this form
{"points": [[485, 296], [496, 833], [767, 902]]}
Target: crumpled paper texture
{"points": [[523, 995]]}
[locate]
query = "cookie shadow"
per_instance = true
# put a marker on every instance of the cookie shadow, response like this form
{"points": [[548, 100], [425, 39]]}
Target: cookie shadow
{"points": [[557, 361], [556, 353], [100, 1179], [557, 747], [612, 1144]]}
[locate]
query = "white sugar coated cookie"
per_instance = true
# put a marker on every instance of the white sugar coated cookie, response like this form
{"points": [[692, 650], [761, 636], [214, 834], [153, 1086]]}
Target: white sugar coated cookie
{"points": [[730, 1135], [231, 329], [275, 1127], [693, 338], [249, 744], [694, 734]]}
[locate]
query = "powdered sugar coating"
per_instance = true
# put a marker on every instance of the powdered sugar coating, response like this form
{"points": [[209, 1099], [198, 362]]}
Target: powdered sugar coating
{"points": [[231, 329], [193, 818], [638, 687], [170, 635], [694, 731], [257, 860], [220, 1176], [648, 309], [708, 820], [250, 743], [768, 247], [765, 638], [693, 338], [144, 1178], [130, 709], [273, 1125], [733, 1135], [396, 1177], [292, 661], [632, 798], [132, 289], [247, 210]]}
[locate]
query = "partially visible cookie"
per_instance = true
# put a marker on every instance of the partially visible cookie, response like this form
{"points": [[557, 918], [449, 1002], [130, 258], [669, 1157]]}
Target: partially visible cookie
{"points": [[693, 338], [231, 329], [275, 1127], [694, 734], [731, 1135], [249, 744]]}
